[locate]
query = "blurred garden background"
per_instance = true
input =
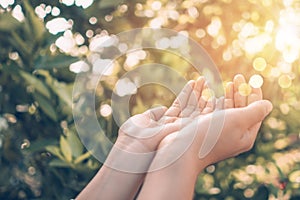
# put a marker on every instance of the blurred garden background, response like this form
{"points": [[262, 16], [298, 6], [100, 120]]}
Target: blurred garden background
{"points": [[44, 44]]}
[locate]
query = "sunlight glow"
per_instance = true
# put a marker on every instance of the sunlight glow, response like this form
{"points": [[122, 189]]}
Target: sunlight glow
{"points": [[105, 110], [6, 3], [285, 81], [68, 2], [55, 11], [259, 64], [100, 41], [103, 67], [249, 29], [18, 13], [214, 27], [285, 67], [157, 22], [244, 89], [256, 44], [93, 20], [79, 66], [269, 27], [57, 25], [256, 81], [200, 33], [275, 72], [284, 108], [193, 12], [133, 58], [84, 3], [163, 43], [125, 87], [40, 11], [227, 55], [208, 94], [156, 5], [288, 43], [66, 42], [288, 36]]}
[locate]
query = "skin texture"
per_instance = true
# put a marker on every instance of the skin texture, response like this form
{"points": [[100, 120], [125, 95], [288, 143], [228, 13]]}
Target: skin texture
{"points": [[165, 131], [140, 134], [242, 118]]}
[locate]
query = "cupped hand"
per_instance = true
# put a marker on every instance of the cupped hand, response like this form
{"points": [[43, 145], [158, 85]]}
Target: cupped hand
{"points": [[218, 133], [143, 132]]}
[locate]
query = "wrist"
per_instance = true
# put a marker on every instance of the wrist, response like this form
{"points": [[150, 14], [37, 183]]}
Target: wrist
{"points": [[129, 155], [131, 144]]}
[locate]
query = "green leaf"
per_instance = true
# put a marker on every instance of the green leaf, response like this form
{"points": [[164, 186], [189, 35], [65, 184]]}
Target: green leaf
{"points": [[58, 163], [25, 49], [55, 151], [75, 144], [63, 91], [46, 106], [65, 149], [57, 61], [40, 144], [36, 83], [104, 4], [82, 157], [91, 164], [8, 23], [36, 24], [281, 174]]}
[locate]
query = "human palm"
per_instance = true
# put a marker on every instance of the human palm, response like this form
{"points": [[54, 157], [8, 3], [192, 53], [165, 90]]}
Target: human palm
{"points": [[143, 132], [220, 128]]}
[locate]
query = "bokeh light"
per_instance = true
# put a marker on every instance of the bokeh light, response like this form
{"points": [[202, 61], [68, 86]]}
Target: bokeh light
{"points": [[260, 39], [244, 89], [259, 64], [208, 94], [105, 110], [285, 81], [256, 81]]}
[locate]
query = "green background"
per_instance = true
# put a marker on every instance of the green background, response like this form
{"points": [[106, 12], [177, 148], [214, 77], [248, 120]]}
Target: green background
{"points": [[41, 156]]}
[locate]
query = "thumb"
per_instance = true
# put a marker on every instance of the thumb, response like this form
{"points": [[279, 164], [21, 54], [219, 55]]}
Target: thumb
{"points": [[256, 112]]}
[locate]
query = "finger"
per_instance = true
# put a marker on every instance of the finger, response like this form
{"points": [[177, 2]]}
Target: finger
{"points": [[204, 97], [193, 102], [199, 86], [195, 114], [252, 114], [210, 106], [240, 100], [181, 100], [156, 113], [229, 90], [220, 103], [229, 96], [255, 95]]}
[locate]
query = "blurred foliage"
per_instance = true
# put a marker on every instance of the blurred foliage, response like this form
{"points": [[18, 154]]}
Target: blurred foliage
{"points": [[41, 156]]}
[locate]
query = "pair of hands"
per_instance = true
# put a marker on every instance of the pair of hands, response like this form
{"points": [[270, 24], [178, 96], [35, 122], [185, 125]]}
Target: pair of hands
{"points": [[198, 131], [166, 149]]}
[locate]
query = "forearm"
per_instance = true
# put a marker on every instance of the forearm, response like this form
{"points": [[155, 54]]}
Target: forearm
{"points": [[120, 176], [110, 184], [176, 181], [169, 183]]}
